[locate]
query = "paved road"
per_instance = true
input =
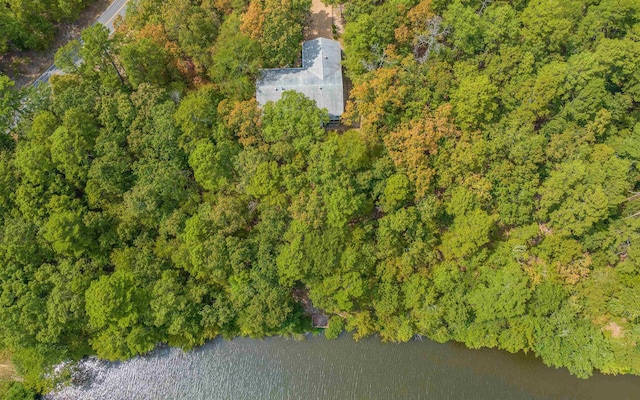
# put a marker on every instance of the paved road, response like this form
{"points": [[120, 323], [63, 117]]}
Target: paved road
{"points": [[118, 7]]}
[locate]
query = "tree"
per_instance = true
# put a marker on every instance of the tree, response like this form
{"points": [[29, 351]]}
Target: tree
{"points": [[118, 309], [197, 116], [7, 184], [378, 101], [410, 146], [68, 56], [572, 342], [176, 306], [396, 193], [72, 145], [212, 240], [145, 61], [424, 30], [9, 106], [367, 37], [66, 322], [607, 19], [235, 60], [502, 295], [109, 176], [547, 27], [65, 228], [579, 195], [212, 164], [243, 120], [475, 101], [253, 20], [280, 32], [467, 26], [468, 234], [293, 120], [30, 24], [336, 325], [17, 391], [97, 51], [192, 28]]}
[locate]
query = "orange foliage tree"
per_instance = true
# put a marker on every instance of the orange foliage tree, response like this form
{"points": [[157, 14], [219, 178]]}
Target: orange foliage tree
{"points": [[411, 145], [253, 20], [243, 119], [376, 102]]}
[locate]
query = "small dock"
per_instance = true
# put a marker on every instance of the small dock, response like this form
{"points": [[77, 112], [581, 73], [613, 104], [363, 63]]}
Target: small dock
{"points": [[319, 321], [318, 318]]}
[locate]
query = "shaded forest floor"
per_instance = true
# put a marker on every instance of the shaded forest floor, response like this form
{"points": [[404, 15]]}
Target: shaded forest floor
{"points": [[25, 66]]}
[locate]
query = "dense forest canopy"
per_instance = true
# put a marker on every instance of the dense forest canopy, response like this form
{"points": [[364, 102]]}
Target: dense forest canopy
{"points": [[490, 194]]}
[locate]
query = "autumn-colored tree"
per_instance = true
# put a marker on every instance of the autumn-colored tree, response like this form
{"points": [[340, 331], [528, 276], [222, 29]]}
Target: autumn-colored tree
{"points": [[242, 118], [377, 102], [411, 145], [253, 20]]}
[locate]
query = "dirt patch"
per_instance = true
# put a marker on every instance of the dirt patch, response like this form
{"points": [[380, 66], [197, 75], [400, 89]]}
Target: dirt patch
{"points": [[7, 373], [7, 370], [545, 229], [25, 67], [616, 330], [324, 21], [320, 22]]}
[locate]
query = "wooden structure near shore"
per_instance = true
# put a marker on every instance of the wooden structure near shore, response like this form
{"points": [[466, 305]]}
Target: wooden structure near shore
{"points": [[318, 318], [319, 321]]}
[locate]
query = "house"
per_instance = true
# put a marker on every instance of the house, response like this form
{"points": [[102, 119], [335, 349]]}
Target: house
{"points": [[319, 78]]}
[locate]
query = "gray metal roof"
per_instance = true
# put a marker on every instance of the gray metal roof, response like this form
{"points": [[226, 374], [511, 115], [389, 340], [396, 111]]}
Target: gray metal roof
{"points": [[319, 79]]}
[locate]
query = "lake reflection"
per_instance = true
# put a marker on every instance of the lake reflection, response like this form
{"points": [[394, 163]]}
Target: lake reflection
{"points": [[316, 368]]}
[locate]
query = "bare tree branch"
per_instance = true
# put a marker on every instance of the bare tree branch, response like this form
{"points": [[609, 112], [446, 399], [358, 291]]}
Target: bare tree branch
{"points": [[430, 41], [484, 5]]}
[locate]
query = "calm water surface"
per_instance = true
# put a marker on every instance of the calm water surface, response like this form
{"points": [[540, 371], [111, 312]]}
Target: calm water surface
{"points": [[316, 368]]}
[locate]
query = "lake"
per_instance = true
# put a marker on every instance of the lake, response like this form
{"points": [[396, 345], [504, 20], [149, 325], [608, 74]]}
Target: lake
{"points": [[316, 368]]}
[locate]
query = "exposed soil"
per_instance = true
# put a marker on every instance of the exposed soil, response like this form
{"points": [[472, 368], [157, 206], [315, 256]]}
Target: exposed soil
{"points": [[616, 330], [545, 229], [7, 371], [320, 21], [25, 66], [324, 21]]}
